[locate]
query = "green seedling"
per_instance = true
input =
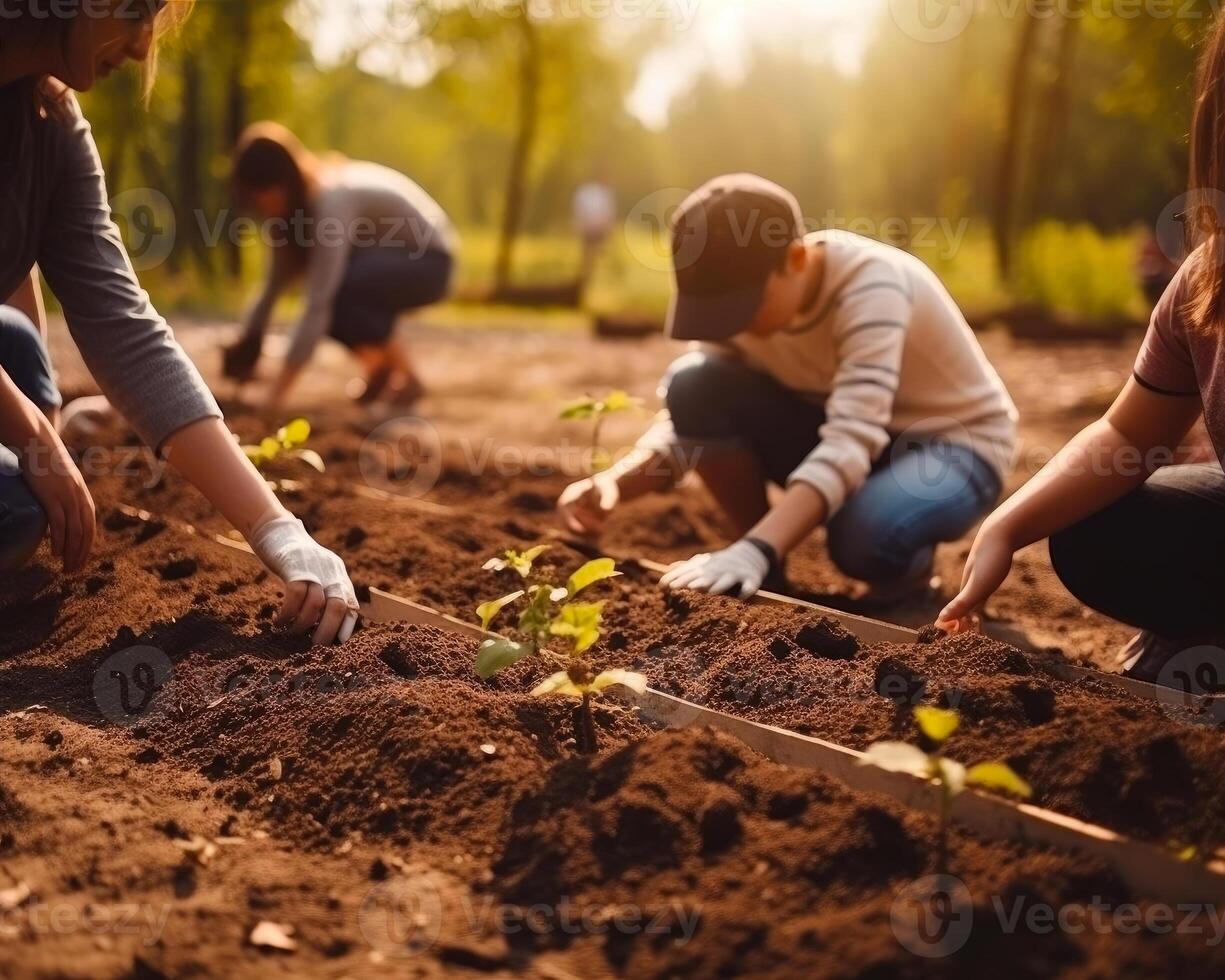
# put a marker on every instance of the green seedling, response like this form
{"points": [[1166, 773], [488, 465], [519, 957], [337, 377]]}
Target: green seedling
{"points": [[286, 443], [939, 724], [552, 613], [521, 563], [599, 409]]}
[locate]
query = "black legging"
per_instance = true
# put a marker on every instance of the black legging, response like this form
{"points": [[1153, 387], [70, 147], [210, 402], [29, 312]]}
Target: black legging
{"points": [[1155, 559]]}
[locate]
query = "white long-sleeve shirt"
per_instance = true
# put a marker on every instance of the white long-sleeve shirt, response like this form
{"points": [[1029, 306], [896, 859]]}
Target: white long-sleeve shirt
{"points": [[887, 351]]}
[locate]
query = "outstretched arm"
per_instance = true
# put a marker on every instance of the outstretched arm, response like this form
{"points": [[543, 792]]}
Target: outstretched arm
{"points": [[317, 589], [1102, 464]]}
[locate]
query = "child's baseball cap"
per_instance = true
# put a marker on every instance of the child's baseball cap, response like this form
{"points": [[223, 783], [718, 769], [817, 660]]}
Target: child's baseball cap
{"points": [[728, 236]]}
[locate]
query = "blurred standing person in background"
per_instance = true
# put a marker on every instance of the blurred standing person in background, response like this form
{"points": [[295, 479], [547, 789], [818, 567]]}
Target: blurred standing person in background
{"points": [[595, 216], [54, 214], [370, 244]]}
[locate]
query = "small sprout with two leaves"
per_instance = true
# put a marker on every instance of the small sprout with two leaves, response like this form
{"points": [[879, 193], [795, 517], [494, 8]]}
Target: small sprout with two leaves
{"points": [[599, 409], [287, 442], [552, 612], [939, 724], [519, 562]]}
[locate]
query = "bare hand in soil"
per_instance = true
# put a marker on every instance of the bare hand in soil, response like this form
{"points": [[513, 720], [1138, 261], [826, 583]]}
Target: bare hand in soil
{"points": [[584, 506], [54, 479], [986, 569]]}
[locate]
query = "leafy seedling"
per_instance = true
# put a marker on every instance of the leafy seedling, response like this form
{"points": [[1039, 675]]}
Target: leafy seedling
{"points": [[939, 724], [519, 562], [287, 442], [552, 612], [597, 410]]}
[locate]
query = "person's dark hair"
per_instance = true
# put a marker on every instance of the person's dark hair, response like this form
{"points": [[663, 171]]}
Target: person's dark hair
{"points": [[47, 96], [1206, 305], [269, 156]]}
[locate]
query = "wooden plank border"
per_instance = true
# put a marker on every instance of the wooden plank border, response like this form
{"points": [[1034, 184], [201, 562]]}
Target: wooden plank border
{"points": [[1147, 869]]}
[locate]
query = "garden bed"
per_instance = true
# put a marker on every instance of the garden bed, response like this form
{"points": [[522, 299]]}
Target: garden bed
{"points": [[1089, 750], [385, 766]]}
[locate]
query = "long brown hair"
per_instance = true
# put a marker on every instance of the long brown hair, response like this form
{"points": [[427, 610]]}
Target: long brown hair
{"points": [[268, 155], [1206, 306], [47, 96]]}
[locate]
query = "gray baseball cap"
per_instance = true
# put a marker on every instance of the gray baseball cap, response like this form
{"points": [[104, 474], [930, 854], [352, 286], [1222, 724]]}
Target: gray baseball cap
{"points": [[728, 237]]}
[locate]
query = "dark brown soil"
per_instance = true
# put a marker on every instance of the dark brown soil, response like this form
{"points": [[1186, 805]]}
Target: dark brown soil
{"points": [[352, 774], [1089, 750]]}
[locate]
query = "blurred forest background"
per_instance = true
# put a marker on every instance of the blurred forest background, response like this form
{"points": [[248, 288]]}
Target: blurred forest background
{"points": [[1024, 158]]}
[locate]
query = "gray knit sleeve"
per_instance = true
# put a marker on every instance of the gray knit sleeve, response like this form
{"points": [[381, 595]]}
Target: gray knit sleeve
{"points": [[126, 345]]}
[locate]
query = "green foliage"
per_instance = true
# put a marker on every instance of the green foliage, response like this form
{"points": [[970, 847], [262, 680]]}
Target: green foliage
{"points": [[487, 612], [287, 443], [551, 612], [938, 725], [1076, 269], [597, 409], [518, 562]]}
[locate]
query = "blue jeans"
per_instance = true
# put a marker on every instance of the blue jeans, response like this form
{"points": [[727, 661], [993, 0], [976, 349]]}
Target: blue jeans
{"points": [[24, 359], [919, 494]]}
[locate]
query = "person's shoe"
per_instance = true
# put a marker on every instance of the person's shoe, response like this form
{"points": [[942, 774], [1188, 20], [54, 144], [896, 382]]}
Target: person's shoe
{"points": [[916, 587], [1146, 656], [376, 385], [408, 394]]}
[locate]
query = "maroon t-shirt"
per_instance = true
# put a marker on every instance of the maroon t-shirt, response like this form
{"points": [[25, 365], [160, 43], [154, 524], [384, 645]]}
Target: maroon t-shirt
{"points": [[1180, 361]]}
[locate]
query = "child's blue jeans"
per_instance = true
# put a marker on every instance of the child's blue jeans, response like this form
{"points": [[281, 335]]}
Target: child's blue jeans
{"points": [[24, 359], [919, 494]]}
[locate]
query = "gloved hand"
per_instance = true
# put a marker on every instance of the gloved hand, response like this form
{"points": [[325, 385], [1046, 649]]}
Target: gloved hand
{"points": [[743, 567], [238, 360], [317, 586]]}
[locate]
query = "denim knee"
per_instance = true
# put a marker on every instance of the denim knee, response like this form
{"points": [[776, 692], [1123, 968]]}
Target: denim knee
{"points": [[692, 389], [22, 526], [868, 550], [23, 355]]}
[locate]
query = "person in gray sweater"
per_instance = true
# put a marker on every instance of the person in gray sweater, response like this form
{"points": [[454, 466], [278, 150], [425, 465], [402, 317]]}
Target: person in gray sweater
{"points": [[370, 244], [55, 216]]}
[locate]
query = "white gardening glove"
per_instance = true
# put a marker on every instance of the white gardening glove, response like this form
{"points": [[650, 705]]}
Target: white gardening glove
{"points": [[742, 567], [317, 586]]}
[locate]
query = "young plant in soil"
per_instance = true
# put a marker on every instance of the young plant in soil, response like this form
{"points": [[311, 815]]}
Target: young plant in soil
{"points": [[286, 443], [552, 612], [939, 724], [599, 409]]}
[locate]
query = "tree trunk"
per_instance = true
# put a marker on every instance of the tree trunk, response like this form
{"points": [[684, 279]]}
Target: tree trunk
{"points": [[191, 187], [1014, 135], [529, 118], [1057, 100], [237, 111]]}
